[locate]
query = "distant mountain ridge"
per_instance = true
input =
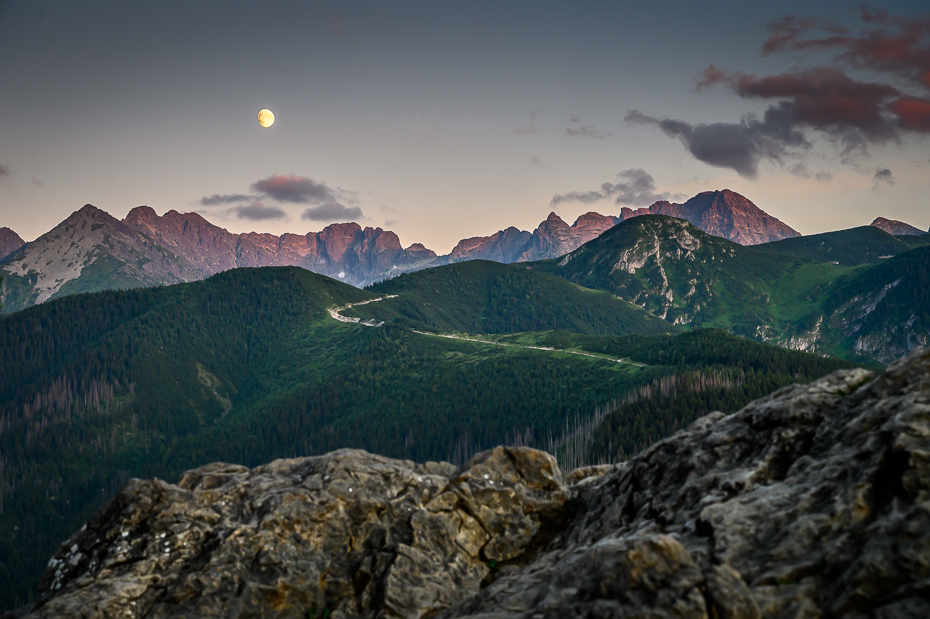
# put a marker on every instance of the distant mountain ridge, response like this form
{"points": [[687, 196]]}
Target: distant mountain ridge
{"points": [[92, 250], [9, 242], [343, 251], [551, 239], [721, 213], [897, 228]]}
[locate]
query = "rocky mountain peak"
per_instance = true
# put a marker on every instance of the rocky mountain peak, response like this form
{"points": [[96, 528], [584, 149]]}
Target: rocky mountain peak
{"points": [[722, 213], [808, 502], [141, 215], [9, 242], [896, 228], [420, 248], [592, 219]]}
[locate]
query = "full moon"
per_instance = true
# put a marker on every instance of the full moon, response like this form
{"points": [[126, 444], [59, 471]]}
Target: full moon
{"points": [[265, 118]]}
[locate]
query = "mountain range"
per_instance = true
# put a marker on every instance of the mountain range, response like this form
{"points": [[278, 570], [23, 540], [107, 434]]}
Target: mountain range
{"points": [[92, 250]]}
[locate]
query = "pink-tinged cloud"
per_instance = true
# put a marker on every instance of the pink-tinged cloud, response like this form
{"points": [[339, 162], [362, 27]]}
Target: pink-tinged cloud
{"points": [[903, 51], [824, 98], [913, 113]]}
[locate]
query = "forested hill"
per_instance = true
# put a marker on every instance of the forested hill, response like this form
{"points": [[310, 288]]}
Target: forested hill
{"points": [[862, 245], [249, 366], [480, 296]]}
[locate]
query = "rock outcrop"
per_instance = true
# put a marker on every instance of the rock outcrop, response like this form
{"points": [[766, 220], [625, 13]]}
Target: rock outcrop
{"points": [[9, 242], [722, 213], [811, 502], [897, 228]]}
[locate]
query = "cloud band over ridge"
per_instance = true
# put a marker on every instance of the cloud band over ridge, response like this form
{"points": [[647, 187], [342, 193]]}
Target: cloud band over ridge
{"points": [[639, 190], [324, 202]]}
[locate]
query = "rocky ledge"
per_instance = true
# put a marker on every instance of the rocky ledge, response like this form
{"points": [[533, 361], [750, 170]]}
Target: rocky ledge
{"points": [[811, 502]]}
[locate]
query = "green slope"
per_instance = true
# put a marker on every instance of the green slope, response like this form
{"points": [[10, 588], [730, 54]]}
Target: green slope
{"points": [[862, 245], [787, 292], [488, 297], [249, 366], [881, 312], [679, 273]]}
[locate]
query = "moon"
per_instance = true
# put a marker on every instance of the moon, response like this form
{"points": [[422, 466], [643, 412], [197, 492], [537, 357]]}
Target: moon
{"points": [[266, 118]]}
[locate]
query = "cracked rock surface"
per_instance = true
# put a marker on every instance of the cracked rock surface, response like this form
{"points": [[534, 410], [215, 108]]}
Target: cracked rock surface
{"points": [[811, 502]]}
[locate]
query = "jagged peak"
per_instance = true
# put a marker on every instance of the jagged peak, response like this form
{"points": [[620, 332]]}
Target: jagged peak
{"points": [[592, 217]]}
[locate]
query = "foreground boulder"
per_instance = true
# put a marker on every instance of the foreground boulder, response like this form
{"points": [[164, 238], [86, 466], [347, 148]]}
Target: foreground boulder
{"points": [[811, 502]]}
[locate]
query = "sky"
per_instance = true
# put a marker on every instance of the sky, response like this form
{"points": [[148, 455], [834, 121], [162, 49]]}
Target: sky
{"points": [[442, 121]]}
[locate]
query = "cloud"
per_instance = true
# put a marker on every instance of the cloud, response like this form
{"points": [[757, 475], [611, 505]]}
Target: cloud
{"points": [[288, 188], [37, 183], [293, 188], [800, 170], [259, 212], [527, 129], [823, 177], [331, 211], [577, 129], [851, 113], [639, 190], [535, 161], [739, 146], [894, 45], [882, 175], [826, 99], [4, 170], [229, 198]]}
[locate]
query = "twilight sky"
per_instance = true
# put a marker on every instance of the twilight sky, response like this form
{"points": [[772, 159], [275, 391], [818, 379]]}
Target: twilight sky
{"points": [[442, 121]]}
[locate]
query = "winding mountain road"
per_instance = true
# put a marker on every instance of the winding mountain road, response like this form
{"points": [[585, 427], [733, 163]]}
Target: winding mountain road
{"points": [[371, 322]]}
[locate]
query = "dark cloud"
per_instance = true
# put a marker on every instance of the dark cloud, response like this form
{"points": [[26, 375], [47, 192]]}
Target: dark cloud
{"points": [[37, 183], [331, 211], [739, 146], [826, 99], [639, 190], [882, 175], [293, 188], [4, 170], [287, 188], [259, 212], [577, 129], [535, 161], [823, 177], [229, 198]]}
